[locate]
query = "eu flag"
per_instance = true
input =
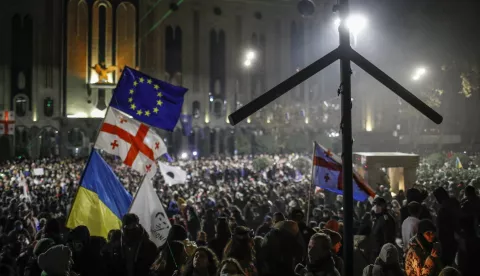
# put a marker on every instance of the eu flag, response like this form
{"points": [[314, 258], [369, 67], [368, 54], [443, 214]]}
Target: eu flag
{"points": [[148, 100]]}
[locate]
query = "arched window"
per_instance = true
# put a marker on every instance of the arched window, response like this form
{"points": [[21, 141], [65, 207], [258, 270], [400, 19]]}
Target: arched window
{"points": [[75, 137], [213, 136], [217, 108], [21, 106], [196, 109]]}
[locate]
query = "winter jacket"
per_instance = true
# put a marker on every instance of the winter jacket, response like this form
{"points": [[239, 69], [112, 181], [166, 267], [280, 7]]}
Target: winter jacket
{"points": [[361, 254], [387, 263], [418, 261], [115, 259], [383, 232], [323, 268], [281, 249]]}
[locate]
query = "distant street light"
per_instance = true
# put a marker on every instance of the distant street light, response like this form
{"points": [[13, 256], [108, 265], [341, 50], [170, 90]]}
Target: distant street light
{"points": [[250, 56], [419, 73]]}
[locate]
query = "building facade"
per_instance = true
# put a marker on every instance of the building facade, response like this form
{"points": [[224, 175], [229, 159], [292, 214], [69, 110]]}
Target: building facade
{"points": [[47, 73]]}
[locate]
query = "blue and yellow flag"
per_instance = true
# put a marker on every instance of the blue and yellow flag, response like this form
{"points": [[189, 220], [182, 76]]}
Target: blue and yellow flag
{"points": [[458, 164], [148, 100], [101, 200]]}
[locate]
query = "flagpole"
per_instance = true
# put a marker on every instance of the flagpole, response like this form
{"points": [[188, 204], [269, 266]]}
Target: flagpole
{"points": [[136, 193], [311, 185], [86, 164], [91, 150]]}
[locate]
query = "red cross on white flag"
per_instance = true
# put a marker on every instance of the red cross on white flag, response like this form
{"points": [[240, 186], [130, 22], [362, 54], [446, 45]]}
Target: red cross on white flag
{"points": [[135, 143], [7, 122]]}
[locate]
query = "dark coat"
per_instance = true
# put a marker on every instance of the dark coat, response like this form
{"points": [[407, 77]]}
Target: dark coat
{"points": [[383, 231], [116, 262]]}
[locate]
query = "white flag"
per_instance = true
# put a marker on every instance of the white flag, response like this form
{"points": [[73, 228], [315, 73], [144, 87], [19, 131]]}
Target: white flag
{"points": [[148, 207], [172, 175], [135, 143]]}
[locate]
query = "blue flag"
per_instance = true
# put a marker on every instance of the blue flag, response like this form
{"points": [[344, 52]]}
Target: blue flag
{"points": [[148, 100]]}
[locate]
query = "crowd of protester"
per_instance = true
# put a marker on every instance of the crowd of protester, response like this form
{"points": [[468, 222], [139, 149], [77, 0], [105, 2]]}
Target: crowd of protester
{"points": [[230, 219]]}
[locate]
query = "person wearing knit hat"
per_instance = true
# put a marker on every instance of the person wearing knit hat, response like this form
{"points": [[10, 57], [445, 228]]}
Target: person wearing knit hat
{"points": [[56, 261], [332, 225], [336, 241], [423, 253]]}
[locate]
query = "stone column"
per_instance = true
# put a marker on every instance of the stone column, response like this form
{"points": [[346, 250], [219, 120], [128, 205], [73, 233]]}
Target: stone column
{"points": [[217, 141], [226, 137], [396, 176], [410, 176]]}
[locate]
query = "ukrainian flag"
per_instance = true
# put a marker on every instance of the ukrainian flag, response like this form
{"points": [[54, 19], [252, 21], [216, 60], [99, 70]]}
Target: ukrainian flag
{"points": [[458, 164], [101, 200]]}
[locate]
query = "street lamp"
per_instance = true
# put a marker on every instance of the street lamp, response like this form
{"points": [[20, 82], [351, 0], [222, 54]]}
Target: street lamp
{"points": [[250, 55], [355, 24], [419, 73]]}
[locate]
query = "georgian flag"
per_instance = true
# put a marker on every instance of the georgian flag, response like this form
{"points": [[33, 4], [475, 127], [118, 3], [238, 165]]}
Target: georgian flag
{"points": [[135, 143], [7, 122]]}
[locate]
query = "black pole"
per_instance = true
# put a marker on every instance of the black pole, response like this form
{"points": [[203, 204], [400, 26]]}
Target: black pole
{"points": [[347, 141]]}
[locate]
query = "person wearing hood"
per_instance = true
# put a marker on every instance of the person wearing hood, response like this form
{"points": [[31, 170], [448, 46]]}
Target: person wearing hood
{"points": [[281, 249], [448, 221], [319, 261], [56, 261], [386, 264], [79, 244], [423, 253], [383, 230], [134, 254]]}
